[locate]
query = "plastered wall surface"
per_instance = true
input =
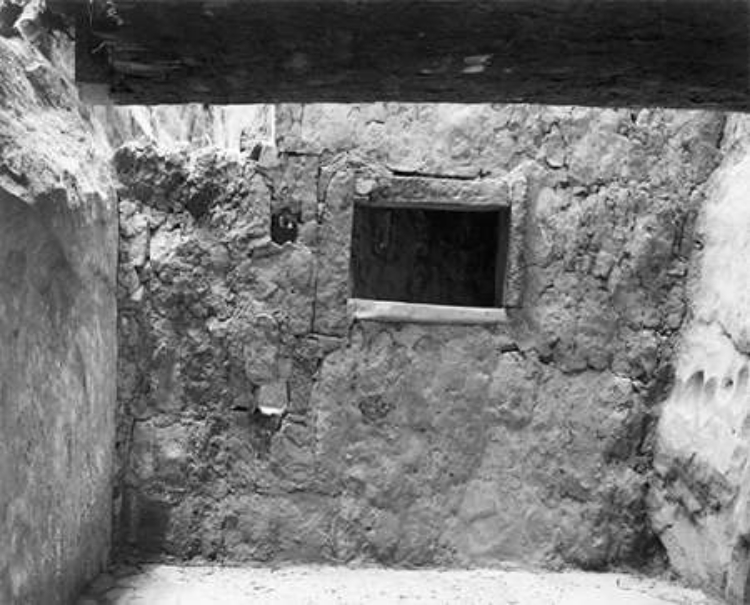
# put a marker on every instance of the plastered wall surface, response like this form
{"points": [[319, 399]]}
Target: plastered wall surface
{"points": [[57, 332], [257, 421]]}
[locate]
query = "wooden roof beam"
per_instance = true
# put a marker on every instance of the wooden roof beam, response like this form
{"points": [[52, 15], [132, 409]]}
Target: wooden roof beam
{"points": [[671, 53]]}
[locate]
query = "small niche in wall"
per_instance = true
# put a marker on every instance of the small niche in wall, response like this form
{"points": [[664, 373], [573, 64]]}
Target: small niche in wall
{"points": [[430, 256], [284, 226]]}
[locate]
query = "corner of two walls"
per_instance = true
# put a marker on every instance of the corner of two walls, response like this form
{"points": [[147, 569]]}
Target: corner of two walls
{"points": [[57, 379], [57, 331]]}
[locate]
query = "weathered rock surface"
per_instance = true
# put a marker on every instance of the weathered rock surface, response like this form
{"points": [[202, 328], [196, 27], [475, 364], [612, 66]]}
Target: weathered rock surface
{"points": [[234, 127], [257, 422], [57, 332], [700, 503]]}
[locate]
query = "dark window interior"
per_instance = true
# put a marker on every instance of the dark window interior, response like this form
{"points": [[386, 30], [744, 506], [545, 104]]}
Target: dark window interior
{"points": [[418, 255]]}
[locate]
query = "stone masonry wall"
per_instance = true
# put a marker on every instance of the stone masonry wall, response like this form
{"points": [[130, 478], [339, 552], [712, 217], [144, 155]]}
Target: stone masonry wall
{"points": [[58, 252], [259, 422]]}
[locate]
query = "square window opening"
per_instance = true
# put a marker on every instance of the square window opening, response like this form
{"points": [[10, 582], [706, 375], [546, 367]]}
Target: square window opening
{"points": [[425, 255]]}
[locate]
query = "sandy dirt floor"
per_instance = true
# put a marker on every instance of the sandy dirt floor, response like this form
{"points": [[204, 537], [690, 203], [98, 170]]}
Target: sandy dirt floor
{"points": [[171, 585]]}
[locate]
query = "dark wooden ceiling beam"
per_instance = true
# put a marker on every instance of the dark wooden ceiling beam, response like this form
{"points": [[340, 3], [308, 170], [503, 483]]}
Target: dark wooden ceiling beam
{"points": [[672, 53]]}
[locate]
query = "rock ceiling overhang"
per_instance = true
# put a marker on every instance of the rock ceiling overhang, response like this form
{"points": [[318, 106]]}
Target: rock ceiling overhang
{"points": [[672, 53]]}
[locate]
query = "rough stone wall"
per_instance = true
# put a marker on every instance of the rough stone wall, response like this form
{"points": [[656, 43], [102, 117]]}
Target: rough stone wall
{"points": [[700, 503], [258, 422], [57, 332]]}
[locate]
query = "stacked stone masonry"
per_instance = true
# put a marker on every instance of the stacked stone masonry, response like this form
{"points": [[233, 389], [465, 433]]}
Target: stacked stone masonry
{"points": [[258, 421]]}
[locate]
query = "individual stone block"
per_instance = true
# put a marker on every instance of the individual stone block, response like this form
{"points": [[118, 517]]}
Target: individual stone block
{"points": [[273, 399]]}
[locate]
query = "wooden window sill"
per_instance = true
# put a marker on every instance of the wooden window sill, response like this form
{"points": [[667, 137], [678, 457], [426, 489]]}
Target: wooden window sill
{"points": [[392, 311]]}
